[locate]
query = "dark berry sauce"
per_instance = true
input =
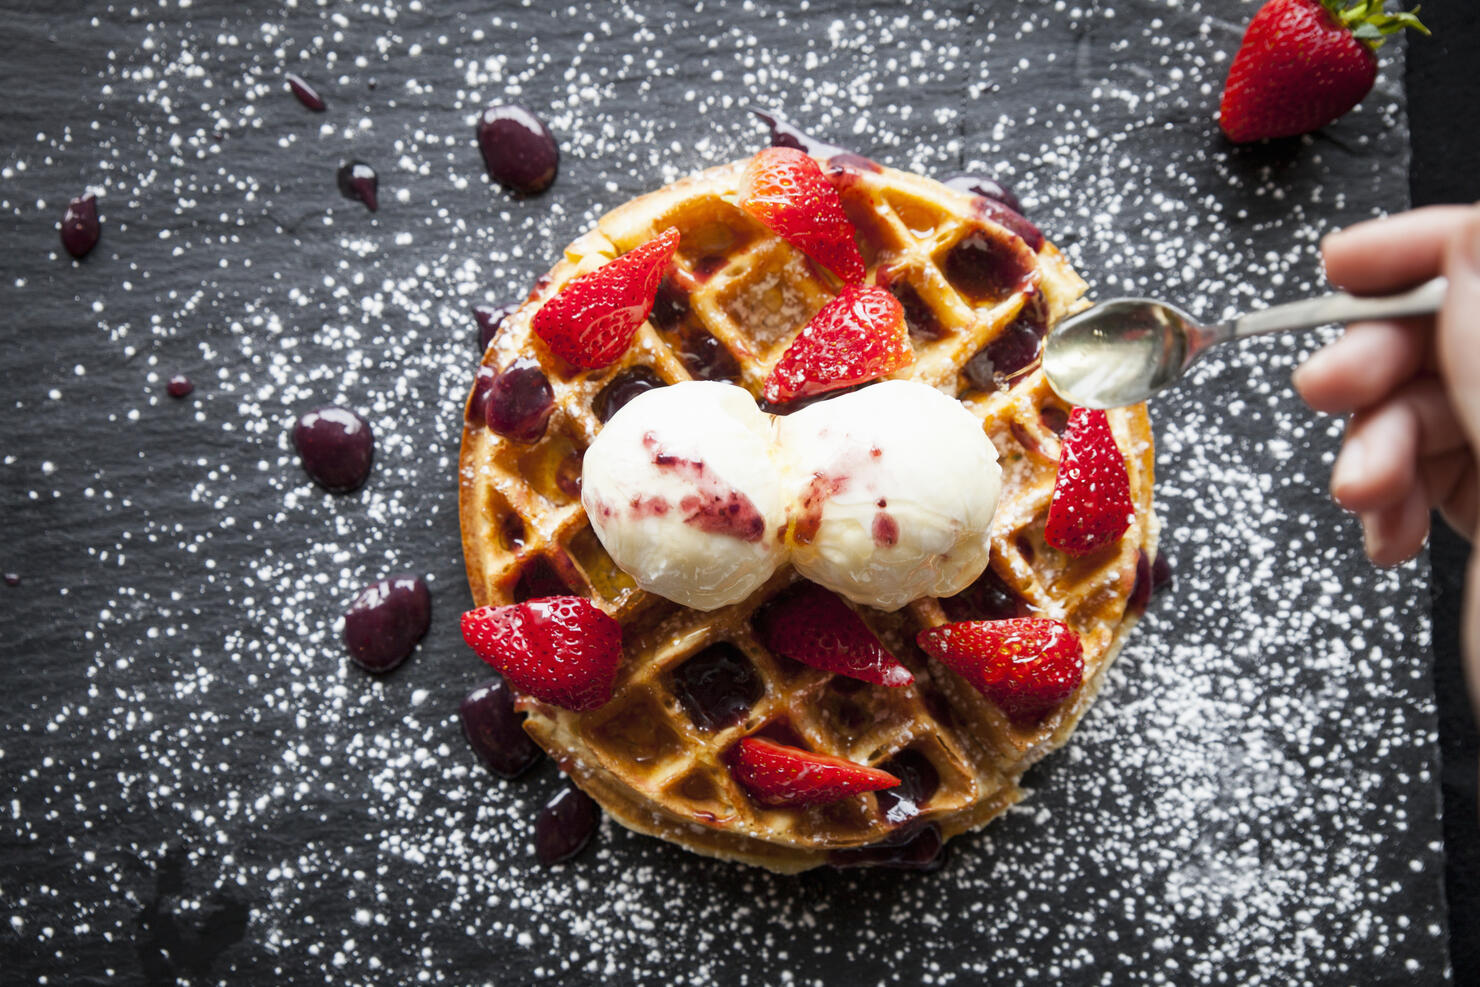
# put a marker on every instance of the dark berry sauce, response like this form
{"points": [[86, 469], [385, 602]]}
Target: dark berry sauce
{"points": [[986, 268], [12, 579], [490, 320], [565, 826], [383, 623], [718, 686], [1012, 353], [358, 181], [1152, 577], [179, 386], [518, 149], [306, 94], [918, 781], [495, 730], [987, 188], [477, 412], [520, 402], [80, 229], [919, 849], [336, 446], [623, 388], [539, 579], [706, 358], [919, 318], [784, 133], [1013, 220], [989, 598]]}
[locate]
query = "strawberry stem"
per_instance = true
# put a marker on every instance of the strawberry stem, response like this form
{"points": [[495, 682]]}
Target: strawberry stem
{"points": [[1370, 22]]}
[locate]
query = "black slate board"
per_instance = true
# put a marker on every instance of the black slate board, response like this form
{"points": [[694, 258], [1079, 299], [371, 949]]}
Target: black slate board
{"points": [[197, 783]]}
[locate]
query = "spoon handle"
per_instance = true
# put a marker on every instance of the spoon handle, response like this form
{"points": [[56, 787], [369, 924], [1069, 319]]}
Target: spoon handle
{"points": [[1426, 299]]}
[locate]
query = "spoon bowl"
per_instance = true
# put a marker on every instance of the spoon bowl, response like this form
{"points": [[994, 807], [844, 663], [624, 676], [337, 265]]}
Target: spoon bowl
{"points": [[1125, 350]]}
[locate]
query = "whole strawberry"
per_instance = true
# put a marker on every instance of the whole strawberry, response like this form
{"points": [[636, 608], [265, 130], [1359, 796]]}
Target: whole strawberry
{"points": [[1303, 63], [591, 321], [559, 649], [1026, 665]]}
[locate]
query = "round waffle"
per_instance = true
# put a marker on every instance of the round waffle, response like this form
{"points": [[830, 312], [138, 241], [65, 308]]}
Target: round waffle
{"points": [[729, 305]]}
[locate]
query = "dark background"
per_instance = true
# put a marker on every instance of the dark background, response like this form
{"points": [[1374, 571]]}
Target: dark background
{"points": [[1440, 78], [164, 660]]}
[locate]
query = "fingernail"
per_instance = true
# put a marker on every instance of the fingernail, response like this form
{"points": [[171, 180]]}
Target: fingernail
{"points": [[1372, 540], [1351, 465]]}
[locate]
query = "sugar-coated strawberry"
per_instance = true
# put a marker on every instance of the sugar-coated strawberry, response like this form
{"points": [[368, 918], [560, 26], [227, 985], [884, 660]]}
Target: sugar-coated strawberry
{"points": [[1303, 63], [1026, 665], [1091, 505], [785, 190], [559, 649], [777, 775], [813, 626], [591, 321], [858, 336]]}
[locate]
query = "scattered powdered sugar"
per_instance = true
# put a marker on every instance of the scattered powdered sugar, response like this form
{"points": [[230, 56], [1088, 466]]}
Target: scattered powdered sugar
{"points": [[198, 781]]}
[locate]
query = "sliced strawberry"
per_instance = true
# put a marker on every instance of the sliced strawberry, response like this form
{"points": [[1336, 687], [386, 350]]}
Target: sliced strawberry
{"points": [[1026, 665], [786, 191], [858, 336], [810, 625], [1091, 505], [777, 775], [559, 649], [591, 321]]}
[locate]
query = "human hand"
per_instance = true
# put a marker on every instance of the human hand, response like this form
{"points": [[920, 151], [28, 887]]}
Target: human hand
{"points": [[1412, 386]]}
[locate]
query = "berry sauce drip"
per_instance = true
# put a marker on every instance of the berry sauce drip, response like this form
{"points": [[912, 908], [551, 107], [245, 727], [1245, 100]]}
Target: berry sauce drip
{"points": [[12, 579], [919, 319], [919, 849], [539, 579], [987, 188], [985, 268], [383, 623], [336, 446], [989, 598], [918, 781], [358, 181], [80, 228], [1056, 419], [490, 320], [307, 95], [784, 133], [718, 686], [477, 412], [495, 730], [565, 826], [520, 402], [518, 149], [1013, 353], [706, 358], [1152, 577], [623, 388], [1013, 220], [180, 386]]}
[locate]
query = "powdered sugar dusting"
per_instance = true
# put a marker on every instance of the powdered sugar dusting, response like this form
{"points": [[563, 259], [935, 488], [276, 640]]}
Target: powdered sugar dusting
{"points": [[198, 781]]}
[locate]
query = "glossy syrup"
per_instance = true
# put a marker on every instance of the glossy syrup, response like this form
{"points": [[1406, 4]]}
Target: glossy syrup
{"points": [[80, 228], [565, 826], [495, 730], [358, 181], [518, 149], [336, 447], [386, 619], [307, 94]]}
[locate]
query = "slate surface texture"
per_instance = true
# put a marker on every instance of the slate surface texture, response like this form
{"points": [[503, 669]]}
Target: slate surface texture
{"points": [[198, 787]]}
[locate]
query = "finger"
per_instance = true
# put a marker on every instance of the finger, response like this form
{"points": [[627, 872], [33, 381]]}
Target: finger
{"points": [[1379, 455], [1370, 360], [1458, 339], [1396, 533], [1384, 255], [1450, 480]]}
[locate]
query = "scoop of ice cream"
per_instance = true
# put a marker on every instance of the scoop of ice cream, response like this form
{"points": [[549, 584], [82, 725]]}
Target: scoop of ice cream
{"points": [[683, 491], [891, 492]]}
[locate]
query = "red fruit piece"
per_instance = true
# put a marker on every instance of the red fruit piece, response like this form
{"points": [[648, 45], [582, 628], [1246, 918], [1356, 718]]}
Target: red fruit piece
{"points": [[810, 625], [785, 190], [559, 649], [1303, 63], [591, 321], [1026, 665], [777, 775], [1091, 505], [858, 336]]}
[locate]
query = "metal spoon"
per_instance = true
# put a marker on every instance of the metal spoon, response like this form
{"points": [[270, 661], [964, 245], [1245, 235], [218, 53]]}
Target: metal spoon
{"points": [[1124, 350]]}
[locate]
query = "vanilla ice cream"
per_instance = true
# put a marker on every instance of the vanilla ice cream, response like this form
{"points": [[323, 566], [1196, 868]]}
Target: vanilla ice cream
{"points": [[683, 490], [891, 492]]}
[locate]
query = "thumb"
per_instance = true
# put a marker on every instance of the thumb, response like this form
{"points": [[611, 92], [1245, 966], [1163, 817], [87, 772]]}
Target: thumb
{"points": [[1459, 327]]}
